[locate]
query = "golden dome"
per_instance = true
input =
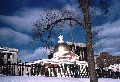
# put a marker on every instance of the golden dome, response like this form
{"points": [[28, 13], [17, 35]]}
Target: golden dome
{"points": [[61, 47]]}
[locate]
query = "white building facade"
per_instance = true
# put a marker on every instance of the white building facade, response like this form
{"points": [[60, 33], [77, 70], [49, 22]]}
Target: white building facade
{"points": [[64, 62], [8, 57]]}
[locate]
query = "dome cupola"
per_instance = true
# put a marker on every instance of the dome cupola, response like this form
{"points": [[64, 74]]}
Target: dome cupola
{"points": [[61, 46]]}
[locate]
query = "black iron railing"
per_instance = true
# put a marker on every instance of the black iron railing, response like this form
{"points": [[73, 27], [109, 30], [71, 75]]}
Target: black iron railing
{"points": [[59, 71]]}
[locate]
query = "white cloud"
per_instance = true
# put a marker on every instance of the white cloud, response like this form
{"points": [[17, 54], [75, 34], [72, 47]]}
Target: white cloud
{"points": [[117, 53], [114, 10], [22, 20], [110, 37], [13, 37], [111, 29], [30, 56]]}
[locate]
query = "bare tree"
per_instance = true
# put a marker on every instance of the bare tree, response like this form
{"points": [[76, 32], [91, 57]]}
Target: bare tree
{"points": [[52, 20]]}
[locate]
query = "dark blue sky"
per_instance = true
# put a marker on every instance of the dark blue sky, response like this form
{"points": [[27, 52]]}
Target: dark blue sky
{"points": [[16, 23]]}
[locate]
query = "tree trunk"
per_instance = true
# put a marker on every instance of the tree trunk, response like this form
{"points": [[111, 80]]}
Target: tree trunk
{"points": [[90, 57], [84, 4]]}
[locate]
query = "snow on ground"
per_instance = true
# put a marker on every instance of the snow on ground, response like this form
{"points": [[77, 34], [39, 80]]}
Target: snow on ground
{"points": [[50, 79]]}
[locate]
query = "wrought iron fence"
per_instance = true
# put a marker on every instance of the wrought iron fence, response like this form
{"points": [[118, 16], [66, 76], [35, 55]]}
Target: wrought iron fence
{"points": [[59, 71]]}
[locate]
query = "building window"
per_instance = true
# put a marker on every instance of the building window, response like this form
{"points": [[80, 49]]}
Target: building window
{"points": [[9, 62], [8, 55], [3, 55]]}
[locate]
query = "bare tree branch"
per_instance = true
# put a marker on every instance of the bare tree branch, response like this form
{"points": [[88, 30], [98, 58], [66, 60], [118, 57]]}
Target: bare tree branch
{"points": [[65, 19], [44, 30]]}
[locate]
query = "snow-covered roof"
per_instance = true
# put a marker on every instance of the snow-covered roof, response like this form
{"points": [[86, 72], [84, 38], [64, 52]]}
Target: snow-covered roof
{"points": [[6, 49], [77, 44]]}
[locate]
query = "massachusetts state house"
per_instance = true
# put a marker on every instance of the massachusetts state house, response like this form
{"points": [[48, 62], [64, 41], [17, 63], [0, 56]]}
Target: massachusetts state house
{"points": [[64, 58]]}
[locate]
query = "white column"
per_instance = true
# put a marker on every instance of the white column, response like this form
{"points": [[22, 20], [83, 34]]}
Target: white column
{"points": [[49, 71], [15, 57], [61, 71], [83, 55]]}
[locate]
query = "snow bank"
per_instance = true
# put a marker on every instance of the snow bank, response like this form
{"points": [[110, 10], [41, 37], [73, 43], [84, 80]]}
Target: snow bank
{"points": [[51, 79]]}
